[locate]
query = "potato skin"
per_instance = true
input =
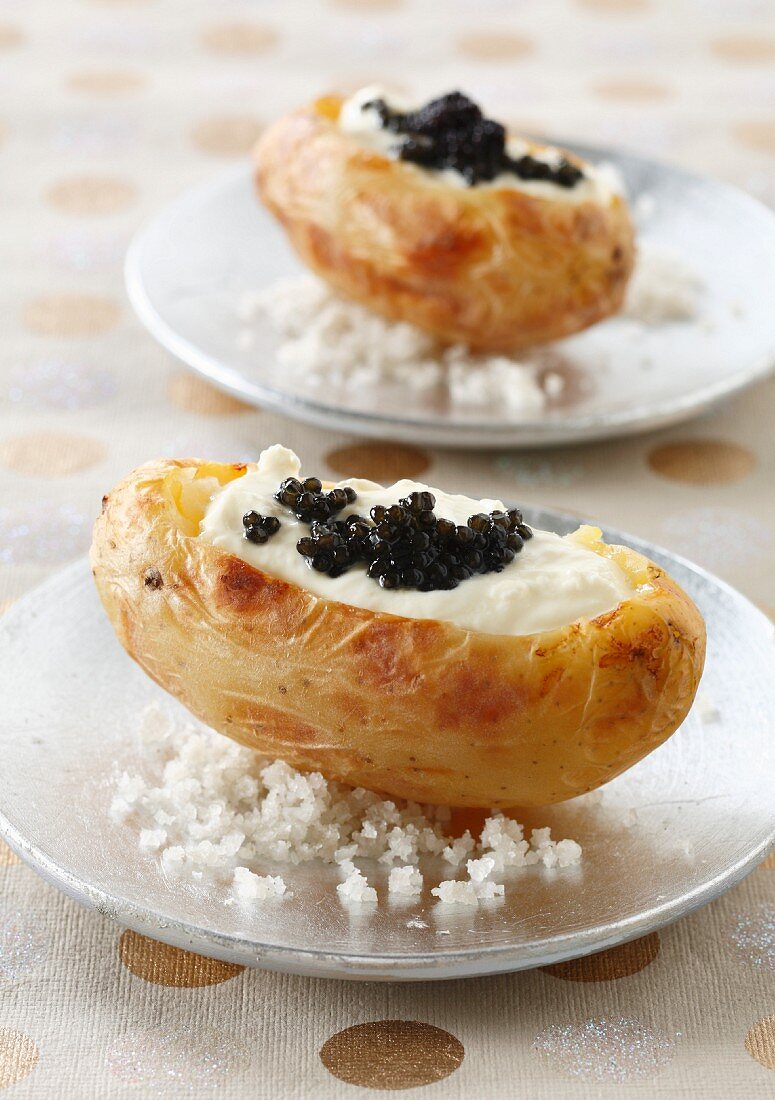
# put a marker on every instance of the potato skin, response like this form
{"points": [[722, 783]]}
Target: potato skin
{"points": [[415, 708], [493, 268]]}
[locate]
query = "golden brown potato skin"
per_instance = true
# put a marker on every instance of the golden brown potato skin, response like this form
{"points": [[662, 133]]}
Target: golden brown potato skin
{"points": [[416, 708], [492, 268]]}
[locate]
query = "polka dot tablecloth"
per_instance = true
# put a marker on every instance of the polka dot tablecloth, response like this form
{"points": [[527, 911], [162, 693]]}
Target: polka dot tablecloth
{"points": [[108, 109]]}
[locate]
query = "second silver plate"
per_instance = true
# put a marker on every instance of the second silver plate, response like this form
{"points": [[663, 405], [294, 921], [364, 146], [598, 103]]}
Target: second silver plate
{"points": [[189, 268]]}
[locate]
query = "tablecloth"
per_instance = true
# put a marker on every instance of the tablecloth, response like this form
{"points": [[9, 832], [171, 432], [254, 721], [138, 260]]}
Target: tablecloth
{"points": [[108, 109]]}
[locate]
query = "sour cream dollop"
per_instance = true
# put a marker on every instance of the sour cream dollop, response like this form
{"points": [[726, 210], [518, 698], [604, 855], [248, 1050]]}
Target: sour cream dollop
{"points": [[552, 582], [362, 123]]}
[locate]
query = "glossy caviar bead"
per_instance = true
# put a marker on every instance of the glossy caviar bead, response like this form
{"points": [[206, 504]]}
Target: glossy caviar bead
{"points": [[291, 485], [338, 499], [567, 174], [395, 514]]}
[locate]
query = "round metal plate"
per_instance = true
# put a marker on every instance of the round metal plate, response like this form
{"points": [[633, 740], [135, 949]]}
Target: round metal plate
{"points": [[670, 835], [187, 270]]}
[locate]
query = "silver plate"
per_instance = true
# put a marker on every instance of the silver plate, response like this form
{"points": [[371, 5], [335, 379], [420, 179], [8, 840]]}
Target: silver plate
{"points": [[187, 270], [702, 807]]}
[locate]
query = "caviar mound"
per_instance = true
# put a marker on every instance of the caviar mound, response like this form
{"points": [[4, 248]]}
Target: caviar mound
{"points": [[490, 267], [451, 132], [416, 708], [401, 545]]}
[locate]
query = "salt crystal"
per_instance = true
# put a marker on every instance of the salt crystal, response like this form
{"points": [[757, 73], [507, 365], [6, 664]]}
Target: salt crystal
{"points": [[252, 887], [406, 881]]}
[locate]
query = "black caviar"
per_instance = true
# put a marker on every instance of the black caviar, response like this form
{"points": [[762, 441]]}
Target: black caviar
{"points": [[308, 502], [259, 528], [452, 132], [403, 545]]}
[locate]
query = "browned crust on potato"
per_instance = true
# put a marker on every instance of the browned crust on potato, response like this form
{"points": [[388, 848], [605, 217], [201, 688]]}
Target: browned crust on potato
{"points": [[416, 708], [493, 268]]}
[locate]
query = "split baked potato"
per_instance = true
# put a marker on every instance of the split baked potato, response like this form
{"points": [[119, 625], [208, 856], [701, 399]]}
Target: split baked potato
{"points": [[419, 709], [490, 267]]}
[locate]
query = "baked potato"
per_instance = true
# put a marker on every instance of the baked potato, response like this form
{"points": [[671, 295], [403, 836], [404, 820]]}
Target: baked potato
{"points": [[492, 267], [416, 708]]}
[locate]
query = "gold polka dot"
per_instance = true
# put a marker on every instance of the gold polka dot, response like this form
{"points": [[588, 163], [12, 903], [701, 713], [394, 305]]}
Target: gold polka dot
{"points": [[702, 462], [164, 965], [760, 1042], [50, 454], [745, 49], [18, 1056], [194, 395], [6, 605], [239, 39], [10, 36], [768, 863], [106, 82], [392, 1054], [71, 315], [8, 858], [385, 462], [756, 135], [91, 196], [615, 7], [227, 135], [632, 90], [607, 966], [495, 46]]}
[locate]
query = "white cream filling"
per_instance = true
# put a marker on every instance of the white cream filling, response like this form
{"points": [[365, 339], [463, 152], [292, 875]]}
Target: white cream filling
{"points": [[600, 183], [552, 582]]}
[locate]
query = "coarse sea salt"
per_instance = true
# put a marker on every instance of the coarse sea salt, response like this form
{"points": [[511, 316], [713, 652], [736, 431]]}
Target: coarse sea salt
{"points": [[205, 804], [355, 887], [325, 341], [662, 288], [251, 887], [405, 881]]}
